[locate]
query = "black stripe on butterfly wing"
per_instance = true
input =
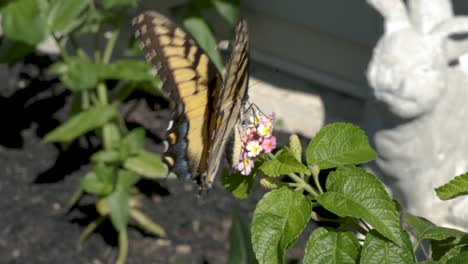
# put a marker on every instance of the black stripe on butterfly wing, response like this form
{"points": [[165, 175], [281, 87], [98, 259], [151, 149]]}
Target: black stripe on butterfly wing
{"points": [[230, 100], [189, 78]]}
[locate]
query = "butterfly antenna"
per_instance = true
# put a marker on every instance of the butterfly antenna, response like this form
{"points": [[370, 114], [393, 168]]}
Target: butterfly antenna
{"points": [[254, 109]]}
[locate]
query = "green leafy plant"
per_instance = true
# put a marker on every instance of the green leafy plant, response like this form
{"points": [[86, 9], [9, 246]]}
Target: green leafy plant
{"points": [[366, 225], [98, 86], [86, 34]]}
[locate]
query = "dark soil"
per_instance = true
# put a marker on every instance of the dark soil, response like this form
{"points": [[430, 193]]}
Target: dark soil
{"points": [[37, 181]]}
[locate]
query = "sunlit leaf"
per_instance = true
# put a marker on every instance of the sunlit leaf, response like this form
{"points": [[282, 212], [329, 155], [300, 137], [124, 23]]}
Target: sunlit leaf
{"points": [[147, 165], [81, 123], [454, 188], [126, 178], [130, 70], [118, 205], [353, 192], [331, 246], [424, 229], [378, 249], [106, 156], [279, 218], [25, 21], [459, 259], [92, 184], [339, 144], [80, 74], [64, 13], [202, 33], [145, 223], [134, 140], [284, 163]]}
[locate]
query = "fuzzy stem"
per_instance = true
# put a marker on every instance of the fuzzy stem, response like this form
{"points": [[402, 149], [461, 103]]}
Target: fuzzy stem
{"points": [[303, 184]]}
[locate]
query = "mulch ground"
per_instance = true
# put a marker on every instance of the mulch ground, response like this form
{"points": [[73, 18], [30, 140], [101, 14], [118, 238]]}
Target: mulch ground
{"points": [[37, 180]]}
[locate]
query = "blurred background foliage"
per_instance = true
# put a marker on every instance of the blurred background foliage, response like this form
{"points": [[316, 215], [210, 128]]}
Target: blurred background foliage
{"points": [[101, 66]]}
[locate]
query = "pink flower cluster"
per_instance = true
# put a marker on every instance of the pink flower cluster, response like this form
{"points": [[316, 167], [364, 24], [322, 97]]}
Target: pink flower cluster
{"points": [[257, 138]]}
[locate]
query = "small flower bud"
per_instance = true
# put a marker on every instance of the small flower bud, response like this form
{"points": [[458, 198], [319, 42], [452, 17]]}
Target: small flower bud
{"points": [[315, 170], [295, 145]]}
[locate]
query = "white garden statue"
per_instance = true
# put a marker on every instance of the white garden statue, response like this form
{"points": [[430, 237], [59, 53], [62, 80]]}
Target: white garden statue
{"points": [[418, 117]]}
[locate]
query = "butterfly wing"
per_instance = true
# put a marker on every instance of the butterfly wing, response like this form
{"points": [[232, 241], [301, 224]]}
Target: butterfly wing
{"points": [[230, 99], [190, 79]]}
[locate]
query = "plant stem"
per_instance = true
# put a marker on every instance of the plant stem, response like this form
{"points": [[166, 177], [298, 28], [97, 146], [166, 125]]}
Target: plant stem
{"points": [[61, 45], [317, 183], [102, 93], [90, 229], [85, 99], [110, 46], [357, 227], [75, 197], [123, 247], [304, 184]]}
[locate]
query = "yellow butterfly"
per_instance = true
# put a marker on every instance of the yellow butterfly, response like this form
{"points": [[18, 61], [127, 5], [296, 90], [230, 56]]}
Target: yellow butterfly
{"points": [[206, 107]]}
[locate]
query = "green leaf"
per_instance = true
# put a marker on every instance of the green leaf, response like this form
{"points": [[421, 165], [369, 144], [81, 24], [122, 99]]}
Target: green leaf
{"points": [[145, 223], [278, 220], [118, 204], [352, 192], [424, 229], [92, 184], [12, 51], [80, 74], [25, 21], [444, 249], [377, 249], [459, 259], [284, 163], [123, 3], [331, 246], [447, 252], [228, 9], [147, 164], [126, 179], [111, 134], [339, 144], [58, 68], [130, 70], [445, 242], [64, 13], [105, 156], [105, 173], [81, 123], [202, 33], [134, 140], [240, 246], [454, 188], [125, 88], [239, 185], [3, 3]]}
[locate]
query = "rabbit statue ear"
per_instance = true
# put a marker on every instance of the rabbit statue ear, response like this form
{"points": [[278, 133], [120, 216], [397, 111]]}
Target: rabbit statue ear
{"points": [[425, 15], [452, 48], [394, 13]]}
